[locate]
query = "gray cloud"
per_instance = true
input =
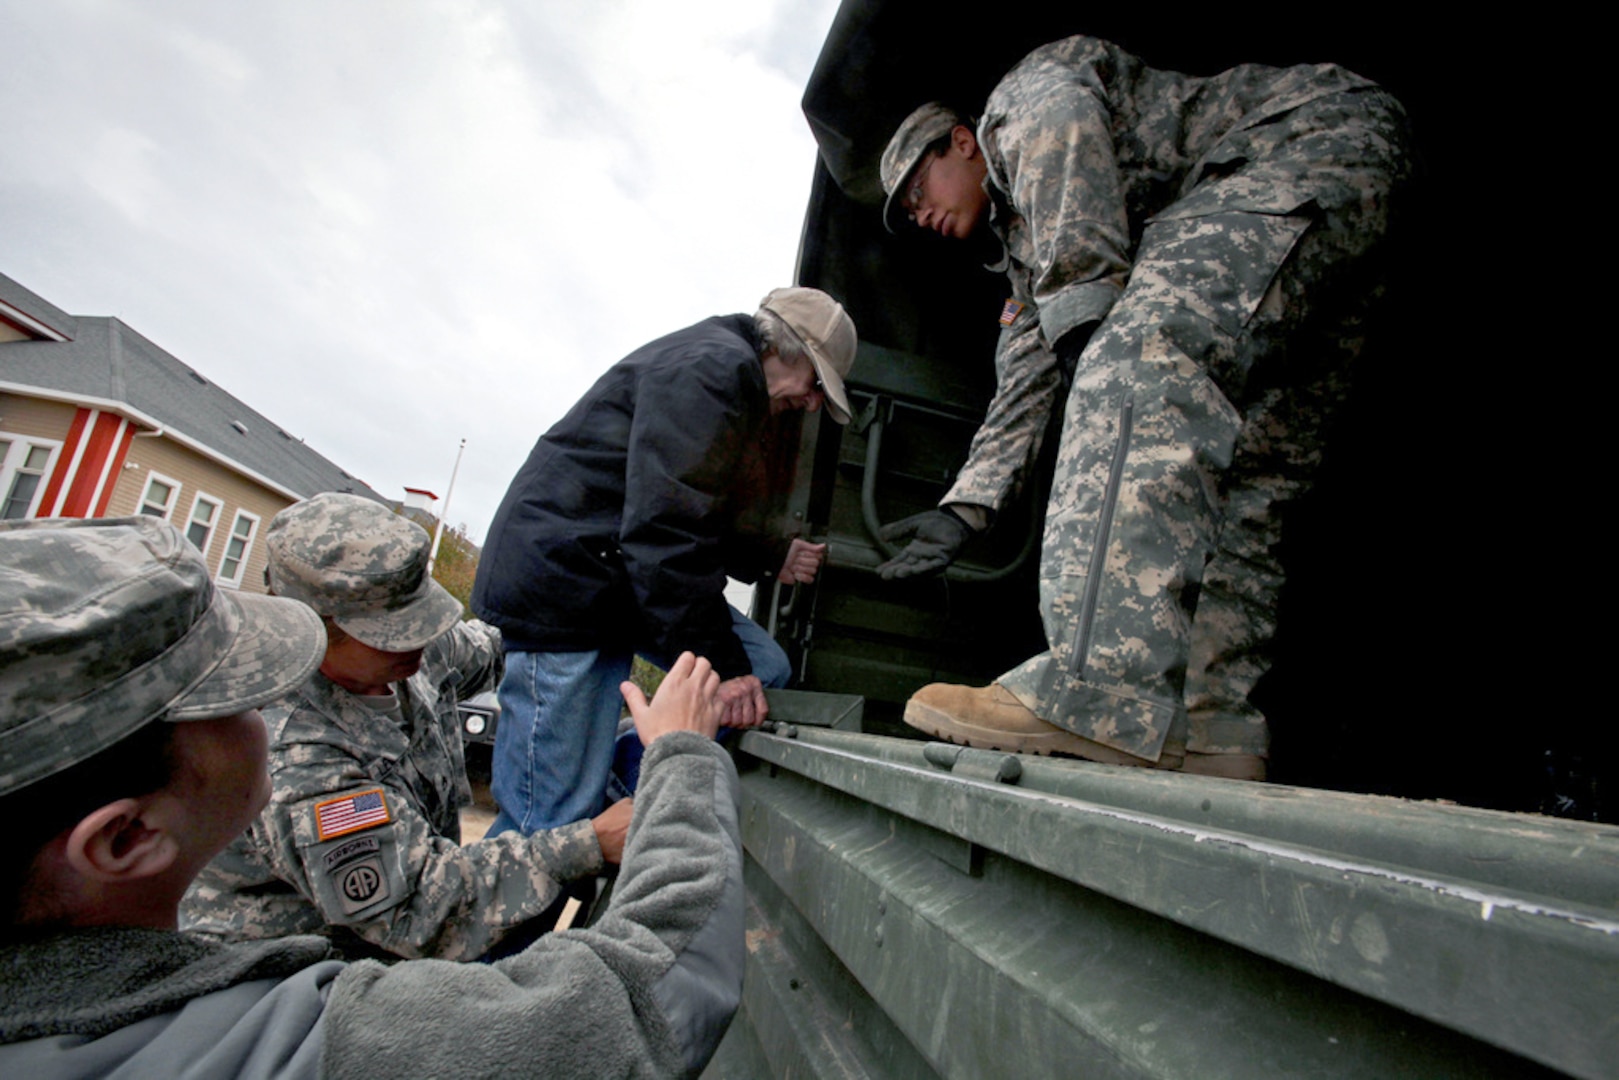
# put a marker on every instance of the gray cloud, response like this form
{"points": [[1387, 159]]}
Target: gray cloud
{"points": [[392, 226]]}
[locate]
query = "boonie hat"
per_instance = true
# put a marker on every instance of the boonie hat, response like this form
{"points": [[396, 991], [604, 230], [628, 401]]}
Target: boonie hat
{"points": [[827, 330], [919, 130], [109, 625], [362, 564]]}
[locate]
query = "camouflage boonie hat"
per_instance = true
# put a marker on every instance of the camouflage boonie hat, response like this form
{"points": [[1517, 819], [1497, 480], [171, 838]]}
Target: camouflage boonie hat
{"points": [[365, 566], [926, 124], [107, 626], [827, 331]]}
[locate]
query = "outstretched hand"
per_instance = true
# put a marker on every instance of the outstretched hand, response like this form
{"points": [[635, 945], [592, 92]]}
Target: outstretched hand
{"points": [[687, 700], [935, 538]]}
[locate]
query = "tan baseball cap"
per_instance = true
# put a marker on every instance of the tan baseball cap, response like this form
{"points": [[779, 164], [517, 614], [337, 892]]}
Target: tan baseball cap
{"points": [[363, 565], [827, 330], [109, 625]]}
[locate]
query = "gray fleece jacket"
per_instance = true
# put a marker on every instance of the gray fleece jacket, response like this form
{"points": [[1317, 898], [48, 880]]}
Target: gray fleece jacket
{"points": [[647, 991]]}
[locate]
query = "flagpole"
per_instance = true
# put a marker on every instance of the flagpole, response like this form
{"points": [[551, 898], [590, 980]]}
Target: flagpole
{"points": [[438, 530]]}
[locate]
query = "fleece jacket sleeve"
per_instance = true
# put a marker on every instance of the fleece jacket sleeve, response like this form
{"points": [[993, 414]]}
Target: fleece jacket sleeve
{"points": [[647, 991]]}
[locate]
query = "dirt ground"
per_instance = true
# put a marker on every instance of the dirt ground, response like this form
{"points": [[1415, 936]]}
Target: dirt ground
{"points": [[476, 819]]}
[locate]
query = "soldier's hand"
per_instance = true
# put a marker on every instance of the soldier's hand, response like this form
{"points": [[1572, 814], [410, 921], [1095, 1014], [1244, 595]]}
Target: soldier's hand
{"points": [[803, 562], [612, 825], [935, 539], [687, 700], [743, 701]]}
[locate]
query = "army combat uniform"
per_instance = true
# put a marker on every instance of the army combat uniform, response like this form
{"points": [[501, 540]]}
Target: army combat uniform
{"points": [[362, 835], [1223, 232]]}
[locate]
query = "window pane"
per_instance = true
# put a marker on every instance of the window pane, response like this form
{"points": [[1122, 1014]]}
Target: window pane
{"points": [[25, 480], [197, 533], [203, 513], [21, 494], [158, 497], [237, 547]]}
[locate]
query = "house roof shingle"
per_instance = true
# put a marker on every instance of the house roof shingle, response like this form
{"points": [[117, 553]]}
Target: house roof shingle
{"points": [[108, 364]]}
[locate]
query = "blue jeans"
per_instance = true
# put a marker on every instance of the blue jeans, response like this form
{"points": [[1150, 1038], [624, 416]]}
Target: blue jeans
{"points": [[553, 759]]}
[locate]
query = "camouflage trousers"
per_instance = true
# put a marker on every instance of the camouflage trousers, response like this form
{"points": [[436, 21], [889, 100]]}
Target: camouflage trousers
{"points": [[1196, 415]]}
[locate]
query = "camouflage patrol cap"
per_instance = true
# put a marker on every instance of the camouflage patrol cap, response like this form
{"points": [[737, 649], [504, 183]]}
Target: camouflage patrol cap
{"points": [[826, 329], [918, 131], [107, 626], [362, 564]]}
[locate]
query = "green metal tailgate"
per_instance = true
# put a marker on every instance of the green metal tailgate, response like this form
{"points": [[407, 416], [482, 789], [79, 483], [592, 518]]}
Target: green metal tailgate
{"points": [[918, 909]]}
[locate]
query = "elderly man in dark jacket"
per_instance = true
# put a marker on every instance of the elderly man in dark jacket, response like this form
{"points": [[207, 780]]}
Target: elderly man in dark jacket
{"points": [[616, 536]]}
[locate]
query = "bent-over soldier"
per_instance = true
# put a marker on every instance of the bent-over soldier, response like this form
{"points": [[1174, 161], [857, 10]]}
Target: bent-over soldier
{"points": [[1194, 257], [361, 839]]}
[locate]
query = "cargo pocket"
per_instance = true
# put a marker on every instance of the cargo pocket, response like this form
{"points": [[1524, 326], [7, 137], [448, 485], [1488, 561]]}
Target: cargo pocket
{"points": [[1218, 262]]}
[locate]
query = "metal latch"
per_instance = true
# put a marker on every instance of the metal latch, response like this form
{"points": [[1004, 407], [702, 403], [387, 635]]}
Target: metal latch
{"points": [[991, 765]]}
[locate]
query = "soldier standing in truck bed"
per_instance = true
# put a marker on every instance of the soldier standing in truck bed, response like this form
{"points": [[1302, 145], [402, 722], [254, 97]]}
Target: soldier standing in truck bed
{"points": [[1195, 257]]}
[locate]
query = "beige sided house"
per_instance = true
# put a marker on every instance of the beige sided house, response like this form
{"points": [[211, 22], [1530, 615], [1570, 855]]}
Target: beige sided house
{"points": [[96, 421]]}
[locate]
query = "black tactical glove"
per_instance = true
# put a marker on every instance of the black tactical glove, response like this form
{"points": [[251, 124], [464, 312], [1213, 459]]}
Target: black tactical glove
{"points": [[935, 536]]}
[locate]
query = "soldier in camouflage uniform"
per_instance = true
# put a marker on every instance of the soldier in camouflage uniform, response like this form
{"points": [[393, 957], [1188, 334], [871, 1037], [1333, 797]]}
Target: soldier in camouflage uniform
{"points": [[132, 751], [361, 839], [1193, 258]]}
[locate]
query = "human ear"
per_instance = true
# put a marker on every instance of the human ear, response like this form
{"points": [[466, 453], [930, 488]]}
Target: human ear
{"points": [[963, 141], [115, 843]]}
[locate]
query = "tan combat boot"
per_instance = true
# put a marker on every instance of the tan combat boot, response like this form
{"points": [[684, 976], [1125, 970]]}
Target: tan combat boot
{"points": [[991, 718]]}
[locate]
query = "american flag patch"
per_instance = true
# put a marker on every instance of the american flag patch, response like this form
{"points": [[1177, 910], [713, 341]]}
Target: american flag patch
{"points": [[1010, 311], [351, 813]]}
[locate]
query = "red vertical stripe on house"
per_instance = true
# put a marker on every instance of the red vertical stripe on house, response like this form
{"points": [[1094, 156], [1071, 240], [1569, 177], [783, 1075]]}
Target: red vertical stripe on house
{"points": [[64, 462], [115, 468], [96, 451]]}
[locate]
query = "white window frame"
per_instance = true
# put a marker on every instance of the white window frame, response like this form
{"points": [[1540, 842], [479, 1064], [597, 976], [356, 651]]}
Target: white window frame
{"points": [[174, 495], [234, 581], [11, 463], [213, 522]]}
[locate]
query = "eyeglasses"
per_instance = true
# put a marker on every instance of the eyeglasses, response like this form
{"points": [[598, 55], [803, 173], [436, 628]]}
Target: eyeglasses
{"points": [[913, 196]]}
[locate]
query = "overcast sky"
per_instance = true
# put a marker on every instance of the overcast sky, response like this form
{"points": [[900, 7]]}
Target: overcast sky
{"points": [[391, 225]]}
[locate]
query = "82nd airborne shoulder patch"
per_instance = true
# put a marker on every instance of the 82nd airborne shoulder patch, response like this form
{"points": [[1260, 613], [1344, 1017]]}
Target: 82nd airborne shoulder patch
{"points": [[351, 813]]}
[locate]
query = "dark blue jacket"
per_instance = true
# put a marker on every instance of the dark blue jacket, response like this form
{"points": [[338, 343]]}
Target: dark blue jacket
{"points": [[619, 529]]}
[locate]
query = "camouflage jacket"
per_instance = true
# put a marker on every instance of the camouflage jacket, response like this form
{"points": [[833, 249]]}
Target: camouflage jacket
{"points": [[361, 837], [1084, 144]]}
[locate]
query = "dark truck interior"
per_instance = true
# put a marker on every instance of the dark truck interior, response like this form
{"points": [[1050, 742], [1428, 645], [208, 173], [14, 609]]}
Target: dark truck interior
{"points": [[1419, 654]]}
